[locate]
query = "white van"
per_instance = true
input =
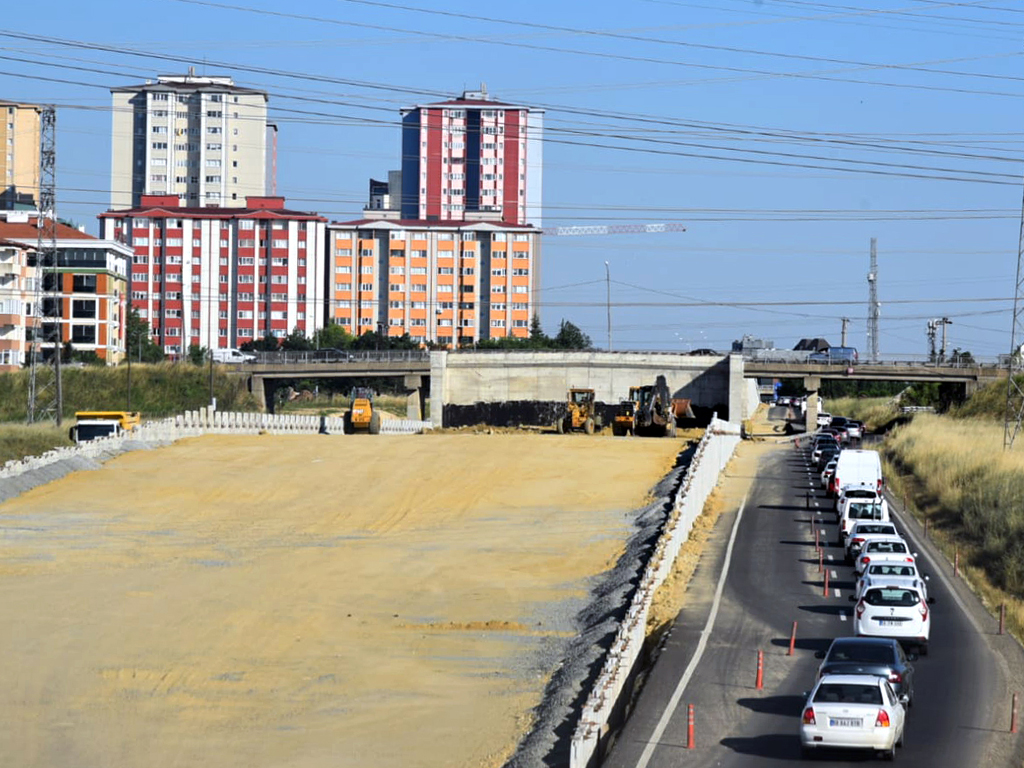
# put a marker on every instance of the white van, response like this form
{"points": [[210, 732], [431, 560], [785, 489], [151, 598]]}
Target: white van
{"points": [[233, 355], [857, 467]]}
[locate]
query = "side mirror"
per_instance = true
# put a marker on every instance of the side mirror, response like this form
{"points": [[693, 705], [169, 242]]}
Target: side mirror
{"points": [[912, 657], [916, 555], [927, 577], [931, 601], [818, 655], [904, 700]]}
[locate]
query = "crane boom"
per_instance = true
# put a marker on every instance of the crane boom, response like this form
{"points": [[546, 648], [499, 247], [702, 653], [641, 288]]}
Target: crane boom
{"points": [[611, 229]]}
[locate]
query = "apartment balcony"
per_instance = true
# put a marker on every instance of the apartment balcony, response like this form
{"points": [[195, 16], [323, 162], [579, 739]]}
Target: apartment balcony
{"points": [[10, 321]]}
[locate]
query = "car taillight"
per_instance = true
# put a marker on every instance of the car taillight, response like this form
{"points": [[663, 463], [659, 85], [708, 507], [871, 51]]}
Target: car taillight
{"points": [[809, 716], [865, 560], [895, 677], [923, 608], [882, 721], [860, 609], [857, 540], [909, 559]]}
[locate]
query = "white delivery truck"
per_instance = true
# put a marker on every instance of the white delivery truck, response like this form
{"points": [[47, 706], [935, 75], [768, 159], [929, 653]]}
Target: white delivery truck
{"points": [[233, 355], [857, 468]]}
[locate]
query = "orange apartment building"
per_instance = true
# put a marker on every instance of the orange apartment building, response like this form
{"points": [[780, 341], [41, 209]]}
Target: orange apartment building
{"points": [[92, 284], [451, 283]]}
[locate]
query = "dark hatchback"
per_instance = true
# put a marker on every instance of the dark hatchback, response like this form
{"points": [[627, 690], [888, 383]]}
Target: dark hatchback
{"points": [[880, 656]]}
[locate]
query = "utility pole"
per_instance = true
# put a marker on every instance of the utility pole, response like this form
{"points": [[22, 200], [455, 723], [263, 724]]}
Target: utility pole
{"points": [[45, 393], [846, 322], [608, 285], [932, 355], [942, 350], [874, 308]]}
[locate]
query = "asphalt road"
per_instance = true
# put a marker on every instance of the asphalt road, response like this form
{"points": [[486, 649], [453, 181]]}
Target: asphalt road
{"points": [[961, 710]]}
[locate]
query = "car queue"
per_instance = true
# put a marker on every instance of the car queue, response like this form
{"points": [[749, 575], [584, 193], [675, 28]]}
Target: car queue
{"points": [[865, 683]]}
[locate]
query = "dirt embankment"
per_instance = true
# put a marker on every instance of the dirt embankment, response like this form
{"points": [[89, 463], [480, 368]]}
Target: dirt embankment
{"points": [[305, 601]]}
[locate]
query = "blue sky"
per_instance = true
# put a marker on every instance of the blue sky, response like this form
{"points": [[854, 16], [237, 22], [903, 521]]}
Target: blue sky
{"points": [[784, 134]]}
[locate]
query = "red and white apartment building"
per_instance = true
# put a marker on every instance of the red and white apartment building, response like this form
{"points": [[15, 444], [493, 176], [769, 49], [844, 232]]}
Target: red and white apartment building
{"points": [[472, 154], [88, 287], [448, 250], [219, 277]]}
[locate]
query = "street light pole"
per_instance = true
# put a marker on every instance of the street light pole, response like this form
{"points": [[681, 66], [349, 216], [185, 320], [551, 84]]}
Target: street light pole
{"points": [[608, 285]]}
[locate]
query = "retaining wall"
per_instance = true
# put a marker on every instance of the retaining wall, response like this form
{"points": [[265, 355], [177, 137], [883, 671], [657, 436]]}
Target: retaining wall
{"points": [[605, 702]]}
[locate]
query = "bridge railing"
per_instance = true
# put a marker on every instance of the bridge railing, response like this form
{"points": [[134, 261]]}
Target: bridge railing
{"points": [[612, 684], [292, 357]]}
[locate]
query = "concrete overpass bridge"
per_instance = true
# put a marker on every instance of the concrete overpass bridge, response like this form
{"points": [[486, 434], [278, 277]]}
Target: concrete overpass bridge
{"points": [[813, 373], [529, 387]]}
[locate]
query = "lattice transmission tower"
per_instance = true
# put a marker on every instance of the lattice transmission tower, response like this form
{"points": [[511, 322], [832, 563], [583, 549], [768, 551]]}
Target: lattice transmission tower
{"points": [[1014, 391], [874, 308], [45, 394]]}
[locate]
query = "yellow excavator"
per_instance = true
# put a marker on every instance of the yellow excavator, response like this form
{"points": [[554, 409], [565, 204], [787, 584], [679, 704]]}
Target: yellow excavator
{"points": [[579, 413], [361, 415], [649, 410]]}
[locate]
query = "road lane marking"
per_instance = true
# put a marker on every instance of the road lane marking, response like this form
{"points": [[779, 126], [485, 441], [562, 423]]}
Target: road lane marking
{"points": [[677, 694], [842, 615], [829, 557], [838, 594]]}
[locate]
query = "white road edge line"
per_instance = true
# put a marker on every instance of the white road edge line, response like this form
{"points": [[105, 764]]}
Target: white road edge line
{"points": [[677, 694]]}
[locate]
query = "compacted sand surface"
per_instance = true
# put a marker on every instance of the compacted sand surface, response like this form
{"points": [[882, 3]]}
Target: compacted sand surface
{"points": [[304, 601]]}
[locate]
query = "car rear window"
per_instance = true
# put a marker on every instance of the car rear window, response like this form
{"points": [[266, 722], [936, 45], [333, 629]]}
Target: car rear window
{"points": [[850, 693], [897, 547], [865, 494], [865, 528], [871, 653], [891, 570], [861, 511], [892, 597]]}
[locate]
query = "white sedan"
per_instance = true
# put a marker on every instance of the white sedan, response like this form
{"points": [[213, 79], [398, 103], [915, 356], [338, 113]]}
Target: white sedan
{"points": [[899, 612], [853, 712], [883, 549]]}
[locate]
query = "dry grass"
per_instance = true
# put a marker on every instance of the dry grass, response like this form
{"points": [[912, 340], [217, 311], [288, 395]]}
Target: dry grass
{"points": [[20, 440], [873, 411], [956, 474]]}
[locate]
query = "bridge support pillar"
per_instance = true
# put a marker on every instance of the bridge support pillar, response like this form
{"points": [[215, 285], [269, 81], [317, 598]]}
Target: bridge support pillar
{"points": [[256, 387], [414, 398], [812, 384]]}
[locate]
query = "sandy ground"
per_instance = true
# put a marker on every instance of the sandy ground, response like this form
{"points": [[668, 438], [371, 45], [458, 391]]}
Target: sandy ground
{"points": [[304, 601]]}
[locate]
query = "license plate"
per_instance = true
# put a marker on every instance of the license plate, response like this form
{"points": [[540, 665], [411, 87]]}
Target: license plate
{"points": [[889, 622], [844, 722]]}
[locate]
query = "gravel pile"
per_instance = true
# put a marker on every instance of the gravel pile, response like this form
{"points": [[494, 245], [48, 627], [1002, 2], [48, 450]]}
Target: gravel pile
{"points": [[579, 659]]}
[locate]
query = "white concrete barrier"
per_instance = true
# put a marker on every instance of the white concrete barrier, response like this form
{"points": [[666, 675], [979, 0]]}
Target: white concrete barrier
{"points": [[403, 426], [187, 424], [712, 454]]}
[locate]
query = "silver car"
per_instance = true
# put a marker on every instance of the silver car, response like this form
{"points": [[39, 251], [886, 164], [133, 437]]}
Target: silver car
{"points": [[853, 712]]}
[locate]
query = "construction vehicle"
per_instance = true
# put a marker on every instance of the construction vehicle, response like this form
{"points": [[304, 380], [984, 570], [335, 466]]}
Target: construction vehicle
{"points": [[361, 415], [649, 410], [90, 425], [580, 413]]}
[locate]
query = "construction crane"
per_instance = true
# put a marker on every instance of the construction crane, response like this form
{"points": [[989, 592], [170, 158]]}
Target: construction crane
{"points": [[578, 230]]}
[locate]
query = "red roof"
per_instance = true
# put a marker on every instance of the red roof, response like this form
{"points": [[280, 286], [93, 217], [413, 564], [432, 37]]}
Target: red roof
{"points": [[29, 231], [425, 223], [470, 102], [256, 212]]}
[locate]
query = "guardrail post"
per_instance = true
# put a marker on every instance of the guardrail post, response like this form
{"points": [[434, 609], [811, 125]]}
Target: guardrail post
{"points": [[759, 682], [825, 593], [792, 640], [1013, 714], [1002, 618], [690, 744], [956, 561]]}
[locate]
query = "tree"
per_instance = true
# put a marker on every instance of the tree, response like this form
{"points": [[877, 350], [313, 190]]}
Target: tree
{"points": [[570, 337], [197, 354], [138, 344], [296, 341], [333, 336], [266, 344], [537, 335], [961, 357]]}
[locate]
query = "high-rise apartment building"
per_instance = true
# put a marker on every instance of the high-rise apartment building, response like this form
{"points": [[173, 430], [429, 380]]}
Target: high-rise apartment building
{"points": [[452, 283], [472, 158], [19, 155], [201, 139], [220, 277]]}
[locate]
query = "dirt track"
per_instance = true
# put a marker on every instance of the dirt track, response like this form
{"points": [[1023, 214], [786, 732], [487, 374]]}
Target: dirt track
{"points": [[303, 601]]}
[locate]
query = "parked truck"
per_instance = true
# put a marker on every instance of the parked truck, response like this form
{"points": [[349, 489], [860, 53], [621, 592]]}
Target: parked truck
{"points": [[90, 425]]}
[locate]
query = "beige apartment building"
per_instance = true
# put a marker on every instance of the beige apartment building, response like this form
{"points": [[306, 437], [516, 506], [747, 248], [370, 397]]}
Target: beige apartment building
{"points": [[19, 155], [201, 139]]}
